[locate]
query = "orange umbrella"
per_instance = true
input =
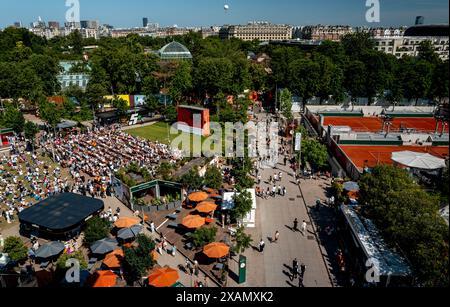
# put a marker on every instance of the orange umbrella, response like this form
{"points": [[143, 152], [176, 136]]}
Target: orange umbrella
{"points": [[114, 259], [104, 279], [164, 277], [198, 196], [211, 191], [193, 221], [206, 207], [216, 250], [126, 222]]}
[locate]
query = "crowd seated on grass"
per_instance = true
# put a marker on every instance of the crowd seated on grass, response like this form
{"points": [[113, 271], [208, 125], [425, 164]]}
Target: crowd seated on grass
{"points": [[104, 151]]}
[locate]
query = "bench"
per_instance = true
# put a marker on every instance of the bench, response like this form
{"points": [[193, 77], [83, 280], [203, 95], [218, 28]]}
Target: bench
{"points": [[172, 217], [172, 225]]}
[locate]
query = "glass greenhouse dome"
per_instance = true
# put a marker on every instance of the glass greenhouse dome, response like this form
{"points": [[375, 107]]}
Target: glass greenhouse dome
{"points": [[174, 51]]}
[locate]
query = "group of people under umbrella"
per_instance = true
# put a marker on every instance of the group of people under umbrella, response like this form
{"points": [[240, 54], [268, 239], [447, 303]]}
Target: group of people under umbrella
{"points": [[215, 250], [128, 228]]}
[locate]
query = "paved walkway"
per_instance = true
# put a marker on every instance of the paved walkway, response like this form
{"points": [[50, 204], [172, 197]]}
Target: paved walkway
{"points": [[273, 268]]}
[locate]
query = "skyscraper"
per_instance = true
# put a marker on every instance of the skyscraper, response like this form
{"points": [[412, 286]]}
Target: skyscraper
{"points": [[420, 20], [145, 22]]}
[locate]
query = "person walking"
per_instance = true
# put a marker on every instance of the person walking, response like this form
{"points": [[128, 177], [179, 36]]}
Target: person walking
{"points": [[152, 227], [300, 282], [294, 269], [296, 224], [276, 237], [188, 267], [262, 244], [174, 251], [302, 270], [304, 227], [196, 268]]}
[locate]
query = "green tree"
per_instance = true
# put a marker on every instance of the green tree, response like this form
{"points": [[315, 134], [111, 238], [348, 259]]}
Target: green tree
{"points": [[13, 118], [377, 75], [78, 255], [243, 240], [242, 204], [47, 68], [427, 53], [96, 229], [286, 104], [170, 113], [50, 113], [181, 82], [355, 79], [165, 171], [357, 44], [15, 248], [213, 76], [315, 153], [121, 107], [191, 180], [76, 42], [137, 260], [152, 103], [440, 82], [30, 131], [204, 236], [403, 210], [305, 79], [213, 178]]}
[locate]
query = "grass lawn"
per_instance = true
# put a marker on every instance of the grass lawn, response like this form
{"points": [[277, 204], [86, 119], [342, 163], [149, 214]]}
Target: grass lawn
{"points": [[159, 132]]}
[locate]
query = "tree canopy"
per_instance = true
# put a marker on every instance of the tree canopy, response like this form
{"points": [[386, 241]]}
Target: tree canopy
{"points": [[408, 217]]}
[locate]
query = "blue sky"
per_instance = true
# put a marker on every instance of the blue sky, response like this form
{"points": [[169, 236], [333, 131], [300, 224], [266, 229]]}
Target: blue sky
{"points": [[129, 13]]}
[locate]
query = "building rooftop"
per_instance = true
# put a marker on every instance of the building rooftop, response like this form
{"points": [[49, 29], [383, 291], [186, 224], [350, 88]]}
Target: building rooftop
{"points": [[386, 259], [427, 30], [174, 51]]}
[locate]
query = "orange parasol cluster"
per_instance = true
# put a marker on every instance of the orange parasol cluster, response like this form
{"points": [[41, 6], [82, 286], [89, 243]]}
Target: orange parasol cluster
{"points": [[126, 222], [114, 259], [164, 277], [216, 250], [104, 279], [206, 207], [193, 221], [198, 196]]}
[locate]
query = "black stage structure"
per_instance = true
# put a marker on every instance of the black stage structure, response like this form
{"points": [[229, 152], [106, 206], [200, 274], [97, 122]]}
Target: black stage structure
{"points": [[59, 217]]}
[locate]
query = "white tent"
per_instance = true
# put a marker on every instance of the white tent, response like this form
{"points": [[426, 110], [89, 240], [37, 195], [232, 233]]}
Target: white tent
{"points": [[418, 160]]}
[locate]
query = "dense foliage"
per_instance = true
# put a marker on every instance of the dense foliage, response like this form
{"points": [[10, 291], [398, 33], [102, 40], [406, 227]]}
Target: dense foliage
{"points": [[96, 229], [408, 217], [15, 248], [138, 259], [204, 236]]}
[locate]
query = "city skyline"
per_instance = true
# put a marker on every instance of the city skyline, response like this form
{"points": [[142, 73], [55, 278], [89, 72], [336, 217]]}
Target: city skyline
{"points": [[197, 13]]}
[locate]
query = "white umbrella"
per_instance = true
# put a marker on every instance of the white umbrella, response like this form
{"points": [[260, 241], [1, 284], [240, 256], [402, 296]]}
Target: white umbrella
{"points": [[418, 160]]}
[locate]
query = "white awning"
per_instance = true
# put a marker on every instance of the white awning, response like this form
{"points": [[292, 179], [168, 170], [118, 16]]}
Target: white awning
{"points": [[418, 160]]}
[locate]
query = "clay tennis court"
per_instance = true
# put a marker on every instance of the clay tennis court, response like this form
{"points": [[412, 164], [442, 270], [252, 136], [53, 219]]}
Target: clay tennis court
{"points": [[375, 124], [371, 156]]}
